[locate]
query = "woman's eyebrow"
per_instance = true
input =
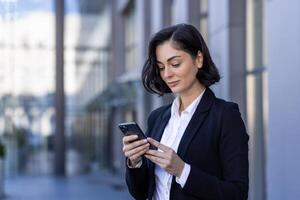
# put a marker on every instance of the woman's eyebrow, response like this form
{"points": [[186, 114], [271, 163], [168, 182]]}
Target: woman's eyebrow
{"points": [[169, 59]]}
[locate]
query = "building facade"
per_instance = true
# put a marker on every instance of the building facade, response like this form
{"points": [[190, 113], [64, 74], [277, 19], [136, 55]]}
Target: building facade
{"points": [[248, 43]]}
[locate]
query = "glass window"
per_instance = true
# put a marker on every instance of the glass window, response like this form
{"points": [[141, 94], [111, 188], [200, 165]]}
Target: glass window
{"points": [[27, 83], [87, 63]]}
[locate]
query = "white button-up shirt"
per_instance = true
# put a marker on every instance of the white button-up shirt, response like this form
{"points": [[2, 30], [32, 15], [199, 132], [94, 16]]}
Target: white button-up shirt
{"points": [[171, 137]]}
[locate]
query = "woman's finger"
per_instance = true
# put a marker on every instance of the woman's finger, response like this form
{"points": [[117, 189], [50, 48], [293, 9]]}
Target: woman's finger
{"points": [[156, 153], [131, 152], [159, 161], [139, 154], [133, 145], [129, 138], [158, 145]]}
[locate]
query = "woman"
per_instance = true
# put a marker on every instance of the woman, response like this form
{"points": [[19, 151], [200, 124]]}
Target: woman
{"points": [[201, 145]]}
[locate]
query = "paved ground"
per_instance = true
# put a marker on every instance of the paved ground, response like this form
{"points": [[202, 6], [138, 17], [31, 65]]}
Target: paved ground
{"points": [[38, 184], [88, 187]]}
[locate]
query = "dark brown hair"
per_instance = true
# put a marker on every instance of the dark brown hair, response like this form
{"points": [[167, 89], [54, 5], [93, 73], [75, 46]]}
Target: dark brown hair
{"points": [[187, 38]]}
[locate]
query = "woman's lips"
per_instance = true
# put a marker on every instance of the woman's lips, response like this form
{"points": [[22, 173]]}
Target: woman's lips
{"points": [[173, 83]]}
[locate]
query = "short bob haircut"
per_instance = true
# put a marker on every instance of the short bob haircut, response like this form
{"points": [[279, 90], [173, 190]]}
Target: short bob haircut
{"points": [[187, 38]]}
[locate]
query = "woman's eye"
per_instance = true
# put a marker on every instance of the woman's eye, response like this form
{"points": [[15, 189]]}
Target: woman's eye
{"points": [[175, 65], [161, 68]]}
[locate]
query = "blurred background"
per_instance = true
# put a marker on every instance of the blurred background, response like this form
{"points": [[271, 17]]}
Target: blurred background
{"points": [[70, 72]]}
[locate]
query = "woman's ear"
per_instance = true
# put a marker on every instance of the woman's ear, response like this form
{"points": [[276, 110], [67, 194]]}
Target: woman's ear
{"points": [[199, 60]]}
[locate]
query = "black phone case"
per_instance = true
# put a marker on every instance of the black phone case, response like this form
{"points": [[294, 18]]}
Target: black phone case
{"points": [[132, 128]]}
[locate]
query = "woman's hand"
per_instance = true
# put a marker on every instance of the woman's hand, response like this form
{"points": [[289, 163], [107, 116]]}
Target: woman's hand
{"points": [[167, 159], [133, 149]]}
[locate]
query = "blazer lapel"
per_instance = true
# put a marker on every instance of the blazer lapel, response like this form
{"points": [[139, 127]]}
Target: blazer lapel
{"points": [[161, 124], [158, 130], [196, 121]]}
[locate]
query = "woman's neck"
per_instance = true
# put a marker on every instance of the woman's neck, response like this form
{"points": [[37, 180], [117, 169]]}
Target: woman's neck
{"points": [[188, 97]]}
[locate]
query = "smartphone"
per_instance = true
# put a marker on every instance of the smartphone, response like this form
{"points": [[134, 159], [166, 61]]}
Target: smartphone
{"points": [[132, 128]]}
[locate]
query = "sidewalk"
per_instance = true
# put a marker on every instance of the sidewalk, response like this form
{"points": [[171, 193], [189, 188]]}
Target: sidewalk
{"points": [[88, 187]]}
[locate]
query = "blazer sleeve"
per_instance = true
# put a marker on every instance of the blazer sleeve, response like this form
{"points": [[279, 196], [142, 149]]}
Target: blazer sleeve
{"points": [[137, 179], [233, 151]]}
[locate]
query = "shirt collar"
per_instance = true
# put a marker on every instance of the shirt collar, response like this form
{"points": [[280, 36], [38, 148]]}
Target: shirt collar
{"points": [[190, 109]]}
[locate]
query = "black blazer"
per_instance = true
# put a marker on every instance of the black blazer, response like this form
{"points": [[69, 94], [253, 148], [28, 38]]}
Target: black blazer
{"points": [[215, 144]]}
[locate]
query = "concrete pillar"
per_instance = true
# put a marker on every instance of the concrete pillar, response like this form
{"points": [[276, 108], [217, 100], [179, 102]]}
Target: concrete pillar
{"points": [[194, 13], [143, 22], [59, 96], [237, 53]]}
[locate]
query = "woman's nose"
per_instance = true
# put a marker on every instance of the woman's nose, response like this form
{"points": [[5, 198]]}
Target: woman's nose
{"points": [[167, 72]]}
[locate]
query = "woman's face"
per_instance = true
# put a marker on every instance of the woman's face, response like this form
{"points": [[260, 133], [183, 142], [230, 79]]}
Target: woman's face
{"points": [[178, 69]]}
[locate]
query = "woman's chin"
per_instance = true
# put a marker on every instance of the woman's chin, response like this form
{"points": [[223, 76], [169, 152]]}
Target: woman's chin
{"points": [[176, 90]]}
